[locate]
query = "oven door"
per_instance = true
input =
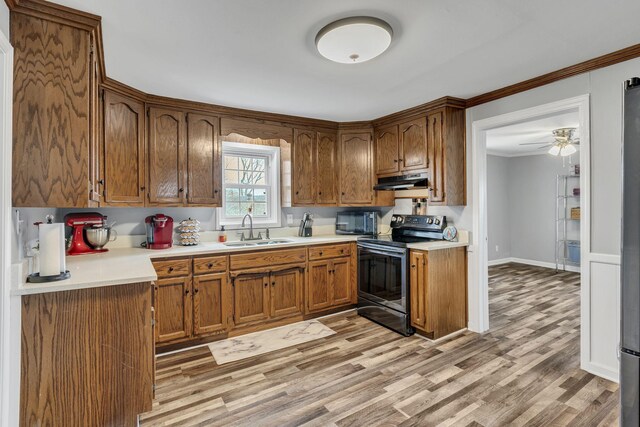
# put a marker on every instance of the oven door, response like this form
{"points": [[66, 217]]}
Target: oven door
{"points": [[382, 275]]}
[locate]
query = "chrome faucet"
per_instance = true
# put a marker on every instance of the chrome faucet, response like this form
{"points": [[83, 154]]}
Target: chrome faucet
{"points": [[251, 236]]}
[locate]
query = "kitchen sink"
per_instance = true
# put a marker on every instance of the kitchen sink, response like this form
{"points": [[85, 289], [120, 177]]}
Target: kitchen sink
{"points": [[239, 244], [257, 243], [273, 242]]}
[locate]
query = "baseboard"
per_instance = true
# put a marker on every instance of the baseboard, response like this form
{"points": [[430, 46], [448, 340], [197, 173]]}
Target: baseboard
{"points": [[601, 371], [532, 262]]}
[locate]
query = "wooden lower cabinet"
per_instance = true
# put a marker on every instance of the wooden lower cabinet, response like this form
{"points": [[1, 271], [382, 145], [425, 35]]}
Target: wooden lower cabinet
{"points": [[267, 296], [329, 284], [173, 305], [209, 308], [438, 291], [251, 298], [87, 356]]}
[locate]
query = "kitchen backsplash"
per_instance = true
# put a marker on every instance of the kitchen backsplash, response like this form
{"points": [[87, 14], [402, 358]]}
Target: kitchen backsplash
{"points": [[131, 230]]}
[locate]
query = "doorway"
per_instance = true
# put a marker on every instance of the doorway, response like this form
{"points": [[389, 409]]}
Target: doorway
{"points": [[481, 129]]}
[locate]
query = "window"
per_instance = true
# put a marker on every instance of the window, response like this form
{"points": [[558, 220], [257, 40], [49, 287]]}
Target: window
{"points": [[250, 183]]}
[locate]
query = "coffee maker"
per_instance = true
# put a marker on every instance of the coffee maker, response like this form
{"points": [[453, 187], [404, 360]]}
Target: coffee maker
{"points": [[159, 231], [78, 222]]}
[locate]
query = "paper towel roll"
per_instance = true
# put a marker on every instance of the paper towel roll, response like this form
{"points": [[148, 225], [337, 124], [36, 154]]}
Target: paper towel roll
{"points": [[52, 261]]}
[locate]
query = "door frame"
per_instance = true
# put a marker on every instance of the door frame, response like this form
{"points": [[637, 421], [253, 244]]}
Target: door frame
{"points": [[6, 355], [479, 277]]}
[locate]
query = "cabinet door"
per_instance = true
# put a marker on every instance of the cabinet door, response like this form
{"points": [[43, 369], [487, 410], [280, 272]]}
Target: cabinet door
{"points": [[418, 289], [209, 308], [318, 286], [251, 295], [167, 162], [356, 180], [436, 154], [173, 307], [124, 155], [387, 150], [302, 170], [326, 164], [286, 293], [51, 113], [203, 161], [413, 143], [341, 281]]}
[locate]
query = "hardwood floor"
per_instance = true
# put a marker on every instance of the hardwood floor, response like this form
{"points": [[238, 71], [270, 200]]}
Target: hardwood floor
{"points": [[524, 372]]}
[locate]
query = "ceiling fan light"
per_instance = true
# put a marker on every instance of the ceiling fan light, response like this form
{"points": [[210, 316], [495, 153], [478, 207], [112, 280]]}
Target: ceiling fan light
{"points": [[554, 150], [568, 150], [354, 40]]}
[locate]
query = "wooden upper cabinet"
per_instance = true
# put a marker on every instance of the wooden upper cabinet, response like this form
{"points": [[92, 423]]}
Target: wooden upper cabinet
{"points": [[123, 150], [413, 145], [173, 307], [51, 113], [251, 298], [209, 304], [203, 161], [387, 146], [286, 293], [302, 167], [167, 157], [326, 157], [356, 169], [447, 156]]}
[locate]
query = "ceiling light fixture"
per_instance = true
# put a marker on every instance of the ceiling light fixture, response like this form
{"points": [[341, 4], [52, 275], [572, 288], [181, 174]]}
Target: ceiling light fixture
{"points": [[354, 40]]}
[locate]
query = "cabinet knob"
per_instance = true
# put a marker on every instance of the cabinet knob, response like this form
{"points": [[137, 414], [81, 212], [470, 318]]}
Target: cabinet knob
{"points": [[413, 266], [266, 284], [210, 265], [170, 269], [401, 160], [343, 193], [181, 190], [297, 192], [341, 251], [320, 193], [215, 191], [195, 291], [186, 292], [273, 283], [320, 253], [101, 181], [395, 160], [142, 188]]}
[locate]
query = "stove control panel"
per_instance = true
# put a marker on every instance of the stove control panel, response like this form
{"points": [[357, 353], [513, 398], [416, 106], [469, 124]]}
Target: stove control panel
{"points": [[428, 222]]}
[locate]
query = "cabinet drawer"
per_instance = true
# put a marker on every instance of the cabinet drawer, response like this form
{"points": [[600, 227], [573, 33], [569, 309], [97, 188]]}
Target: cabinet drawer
{"points": [[173, 267], [329, 251], [210, 264], [267, 258]]}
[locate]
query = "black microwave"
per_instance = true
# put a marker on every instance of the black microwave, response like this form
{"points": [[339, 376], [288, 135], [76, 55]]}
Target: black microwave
{"points": [[357, 222]]}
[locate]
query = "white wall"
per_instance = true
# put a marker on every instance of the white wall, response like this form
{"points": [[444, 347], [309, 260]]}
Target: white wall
{"points": [[605, 89]]}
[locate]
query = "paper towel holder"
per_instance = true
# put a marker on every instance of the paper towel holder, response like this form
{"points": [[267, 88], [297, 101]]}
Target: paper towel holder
{"points": [[36, 278]]}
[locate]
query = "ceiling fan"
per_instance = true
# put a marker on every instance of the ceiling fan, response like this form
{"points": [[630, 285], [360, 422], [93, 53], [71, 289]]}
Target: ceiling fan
{"points": [[564, 143]]}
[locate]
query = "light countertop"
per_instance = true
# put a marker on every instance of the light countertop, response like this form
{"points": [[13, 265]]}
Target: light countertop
{"points": [[121, 266]]}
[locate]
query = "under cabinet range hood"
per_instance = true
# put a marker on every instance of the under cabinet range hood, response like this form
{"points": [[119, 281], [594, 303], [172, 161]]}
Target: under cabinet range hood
{"points": [[402, 182]]}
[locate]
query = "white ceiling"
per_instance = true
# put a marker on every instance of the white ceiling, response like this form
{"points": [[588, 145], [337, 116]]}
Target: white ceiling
{"points": [[505, 141], [260, 54]]}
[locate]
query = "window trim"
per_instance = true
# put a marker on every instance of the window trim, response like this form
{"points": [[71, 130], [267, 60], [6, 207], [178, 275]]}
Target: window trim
{"points": [[273, 178]]}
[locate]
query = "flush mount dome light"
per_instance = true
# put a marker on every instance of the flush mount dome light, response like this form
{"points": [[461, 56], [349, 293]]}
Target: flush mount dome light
{"points": [[354, 40]]}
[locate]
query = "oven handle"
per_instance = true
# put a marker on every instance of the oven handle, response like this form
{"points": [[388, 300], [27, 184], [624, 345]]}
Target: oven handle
{"points": [[386, 251]]}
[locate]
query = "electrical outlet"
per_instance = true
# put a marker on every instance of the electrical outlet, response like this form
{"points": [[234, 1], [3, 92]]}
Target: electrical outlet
{"points": [[289, 220]]}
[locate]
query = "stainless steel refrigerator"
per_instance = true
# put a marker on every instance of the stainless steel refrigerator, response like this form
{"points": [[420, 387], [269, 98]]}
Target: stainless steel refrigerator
{"points": [[630, 289]]}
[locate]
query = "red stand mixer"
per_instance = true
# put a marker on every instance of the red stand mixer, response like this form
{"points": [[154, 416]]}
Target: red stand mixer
{"points": [[79, 222], [159, 231]]}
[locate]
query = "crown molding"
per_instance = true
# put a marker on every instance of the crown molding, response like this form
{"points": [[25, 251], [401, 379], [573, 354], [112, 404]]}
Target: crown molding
{"points": [[55, 12], [612, 58]]}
